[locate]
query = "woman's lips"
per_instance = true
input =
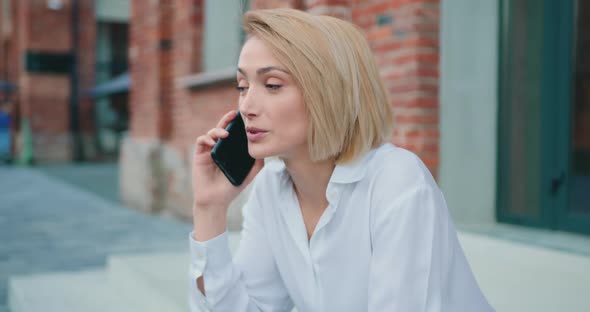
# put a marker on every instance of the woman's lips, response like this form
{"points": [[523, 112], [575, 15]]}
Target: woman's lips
{"points": [[255, 135]]}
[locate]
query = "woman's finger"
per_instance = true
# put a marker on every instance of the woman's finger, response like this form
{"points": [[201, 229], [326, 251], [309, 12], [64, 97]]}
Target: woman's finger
{"points": [[203, 143], [217, 133], [224, 121]]}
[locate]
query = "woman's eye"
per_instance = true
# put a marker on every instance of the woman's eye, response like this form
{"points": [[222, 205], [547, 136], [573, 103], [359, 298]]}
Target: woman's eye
{"points": [[241, 89], [273, 86]]}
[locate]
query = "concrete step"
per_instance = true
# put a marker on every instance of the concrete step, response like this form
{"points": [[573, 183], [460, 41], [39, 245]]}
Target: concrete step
{"points": [[155, 282], [137, 282], [152, 282], [130, 283], [68, 291], [519, 277], [514, 277]]}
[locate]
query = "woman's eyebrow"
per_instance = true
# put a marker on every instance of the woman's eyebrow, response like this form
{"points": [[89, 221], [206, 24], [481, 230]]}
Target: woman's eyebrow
{"points": [[263, 70]]}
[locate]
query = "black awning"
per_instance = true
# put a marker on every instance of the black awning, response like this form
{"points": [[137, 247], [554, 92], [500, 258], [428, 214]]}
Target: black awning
{"points": [[7, 87], [119, 84]]}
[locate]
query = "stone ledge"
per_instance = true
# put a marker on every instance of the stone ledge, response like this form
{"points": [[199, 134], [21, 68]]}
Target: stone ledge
{"points": [[155, 178], [206, 79], [559, 241], [140, 169]]}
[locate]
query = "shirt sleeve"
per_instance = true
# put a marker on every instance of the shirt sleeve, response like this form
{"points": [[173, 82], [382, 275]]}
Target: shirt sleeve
{"points": [[417, 263], [251, 282]]}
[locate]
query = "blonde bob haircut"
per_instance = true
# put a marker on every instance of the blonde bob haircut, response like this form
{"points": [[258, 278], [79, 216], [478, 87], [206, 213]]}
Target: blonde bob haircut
{"points": [[333, 66]]}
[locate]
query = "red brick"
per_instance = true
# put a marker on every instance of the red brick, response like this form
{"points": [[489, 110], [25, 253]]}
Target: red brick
{"points": [[44, 98], [311, 3], [421, 102], [423, 58], [424, 117], [379, 33], [269, 4], [372, 8], [407, 50]]}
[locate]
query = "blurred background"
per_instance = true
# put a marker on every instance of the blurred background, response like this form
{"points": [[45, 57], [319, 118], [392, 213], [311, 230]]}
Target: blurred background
{"points": [[101, 101]]}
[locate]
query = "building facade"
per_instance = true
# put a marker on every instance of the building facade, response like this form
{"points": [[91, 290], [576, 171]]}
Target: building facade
{"points": [[492, 95], [48, 51], [52, 55], [183, 55]]}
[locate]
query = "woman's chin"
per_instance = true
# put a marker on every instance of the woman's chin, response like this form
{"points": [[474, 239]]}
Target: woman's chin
{"points": [[259, 152]]}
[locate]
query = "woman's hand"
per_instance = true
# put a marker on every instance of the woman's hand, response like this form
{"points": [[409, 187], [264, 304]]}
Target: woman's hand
{"points": [[211, 189]]}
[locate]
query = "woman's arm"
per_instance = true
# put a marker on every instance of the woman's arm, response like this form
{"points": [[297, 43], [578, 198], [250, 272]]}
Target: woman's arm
{"points": [[215, 282], [251, 282], [417, 262]]}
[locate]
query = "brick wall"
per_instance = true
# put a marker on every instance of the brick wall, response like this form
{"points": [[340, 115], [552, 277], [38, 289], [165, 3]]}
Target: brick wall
{"points": [[18, 39], [49, 29], [87, 70], [140, 178], [404, 38], [167, 116], [183, 58], [6, 70], [403, 34], [268, 4], [144, 72], [3, 41], [42, 99], [337, 8], [48, 94], [4, 44], [49, 116]]}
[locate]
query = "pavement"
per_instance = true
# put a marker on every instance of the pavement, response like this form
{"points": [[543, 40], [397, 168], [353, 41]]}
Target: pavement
{"points": [[101, 179], [68, 218]]}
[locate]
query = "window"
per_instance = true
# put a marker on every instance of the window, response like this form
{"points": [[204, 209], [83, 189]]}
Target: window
{"points": [[222, 33], [544, 137]]}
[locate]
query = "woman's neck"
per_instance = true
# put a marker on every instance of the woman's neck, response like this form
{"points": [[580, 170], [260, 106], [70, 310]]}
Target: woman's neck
{"points": [[310, 180]]}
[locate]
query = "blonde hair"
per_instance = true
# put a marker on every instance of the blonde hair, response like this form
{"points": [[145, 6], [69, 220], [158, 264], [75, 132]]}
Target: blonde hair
{"points": [[332, 64]]}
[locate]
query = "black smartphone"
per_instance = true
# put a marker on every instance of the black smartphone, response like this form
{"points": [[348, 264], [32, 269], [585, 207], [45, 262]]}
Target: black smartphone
{"points": [[231, 153]]}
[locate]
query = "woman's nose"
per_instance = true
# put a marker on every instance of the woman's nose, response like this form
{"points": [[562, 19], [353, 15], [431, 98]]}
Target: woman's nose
{"points": [[247, 104]]}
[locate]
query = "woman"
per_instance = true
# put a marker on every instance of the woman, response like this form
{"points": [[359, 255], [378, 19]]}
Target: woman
{"points": [[339, 219]]}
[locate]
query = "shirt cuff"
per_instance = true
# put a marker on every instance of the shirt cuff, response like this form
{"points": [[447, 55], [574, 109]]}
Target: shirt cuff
{"points": [[213, 255]]}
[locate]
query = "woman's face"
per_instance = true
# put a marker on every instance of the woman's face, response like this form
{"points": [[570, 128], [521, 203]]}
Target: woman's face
{"points": [[271, 104]]}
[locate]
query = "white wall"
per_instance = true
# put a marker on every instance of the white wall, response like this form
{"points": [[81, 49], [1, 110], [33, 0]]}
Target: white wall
{"points": [[112, 10], [468, 103]]}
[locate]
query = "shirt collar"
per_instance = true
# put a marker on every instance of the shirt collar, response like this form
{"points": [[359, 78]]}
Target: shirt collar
{"points": [[343, 173], [352, 171]]}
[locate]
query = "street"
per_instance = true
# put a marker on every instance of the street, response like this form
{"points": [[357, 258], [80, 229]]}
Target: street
{"points": [[49, 225]]}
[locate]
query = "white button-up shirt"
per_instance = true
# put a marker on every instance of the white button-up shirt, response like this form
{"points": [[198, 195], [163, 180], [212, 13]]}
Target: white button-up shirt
{"points": [[384, 243]]}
